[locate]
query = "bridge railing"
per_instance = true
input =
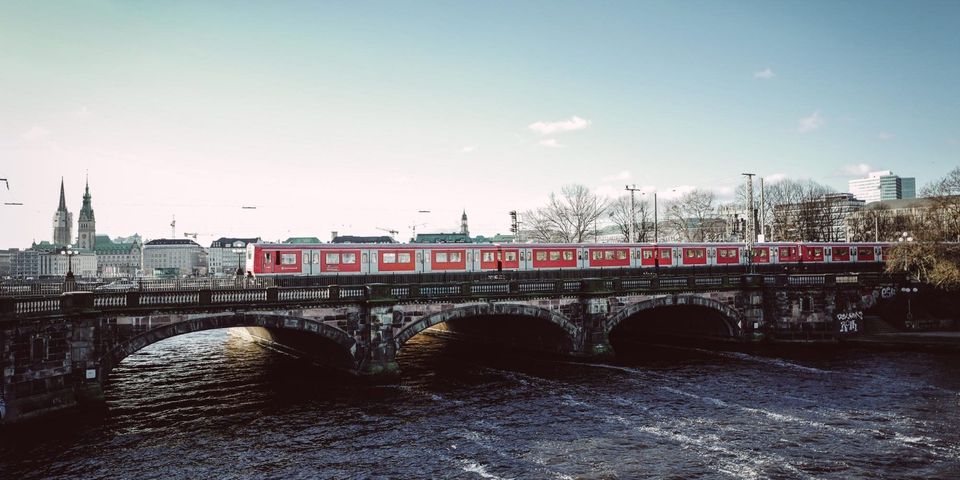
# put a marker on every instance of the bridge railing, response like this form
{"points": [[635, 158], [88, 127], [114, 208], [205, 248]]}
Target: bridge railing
{"points": [[277, 296]]}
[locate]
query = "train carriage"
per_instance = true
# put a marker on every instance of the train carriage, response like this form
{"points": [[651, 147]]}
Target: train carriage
{"points": [[359, 259]]}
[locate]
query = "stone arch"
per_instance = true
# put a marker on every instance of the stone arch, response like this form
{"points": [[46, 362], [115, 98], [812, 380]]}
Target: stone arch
{"points": [[132, 344], [731, 317], [574, 333]]}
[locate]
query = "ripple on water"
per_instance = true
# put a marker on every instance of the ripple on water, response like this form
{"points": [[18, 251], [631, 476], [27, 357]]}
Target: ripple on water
{"points": [[212, 405]]}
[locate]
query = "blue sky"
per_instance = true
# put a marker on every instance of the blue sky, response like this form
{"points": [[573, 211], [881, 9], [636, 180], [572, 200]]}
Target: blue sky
{"points": [[356, 115]]}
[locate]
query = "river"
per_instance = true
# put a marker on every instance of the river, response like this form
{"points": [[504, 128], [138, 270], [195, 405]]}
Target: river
{"points": [[212, 405]]}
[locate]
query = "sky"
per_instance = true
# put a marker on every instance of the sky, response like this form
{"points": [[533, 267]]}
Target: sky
{"points": [[356, 116]]}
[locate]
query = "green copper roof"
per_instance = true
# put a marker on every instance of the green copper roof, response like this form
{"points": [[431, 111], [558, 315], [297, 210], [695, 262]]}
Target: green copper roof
{"points": [[302, 240]]}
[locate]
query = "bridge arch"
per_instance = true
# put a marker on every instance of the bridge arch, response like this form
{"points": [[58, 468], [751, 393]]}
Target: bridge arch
{"points": [[573, 332], [731, 317], [192, 324]]}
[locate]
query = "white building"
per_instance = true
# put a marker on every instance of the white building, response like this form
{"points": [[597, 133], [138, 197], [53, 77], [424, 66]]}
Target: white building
{"points": [[56, 264], [883, 185], [226, 254], [173, 257]]}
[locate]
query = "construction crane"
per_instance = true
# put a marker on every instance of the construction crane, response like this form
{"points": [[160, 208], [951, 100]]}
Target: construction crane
{"points": [[7, 182], [393, 233]]}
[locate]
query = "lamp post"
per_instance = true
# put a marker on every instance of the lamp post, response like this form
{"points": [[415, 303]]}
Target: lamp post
{"points": [[239, 251], [633, 213], [69, 281], [656, 222]]}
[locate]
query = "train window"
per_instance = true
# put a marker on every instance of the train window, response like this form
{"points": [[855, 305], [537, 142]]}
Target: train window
{"points": [[666, 254], [554, 255], [608, 255], [758, 252], [389, 258], [441, 257], [333, 258], [456, 256], [691, 254], [842, 251], [306, 257], [722, 252], [568, 255], [487, 256], [647, 254], [316, 258], [510, 256], [597, 255], [621, 254], [288, 258], [700, 253], [541, 256], [267, 257], [364, 258], [349, 257], [403, 258]]}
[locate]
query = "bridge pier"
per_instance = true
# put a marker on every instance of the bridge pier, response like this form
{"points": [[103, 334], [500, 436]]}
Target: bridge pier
{"points": [[594, 308], [380, 357]]}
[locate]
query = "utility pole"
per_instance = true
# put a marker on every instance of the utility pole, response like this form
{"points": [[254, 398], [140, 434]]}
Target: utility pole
{"points": [[763, 214], [633, 214], [751, 233]]}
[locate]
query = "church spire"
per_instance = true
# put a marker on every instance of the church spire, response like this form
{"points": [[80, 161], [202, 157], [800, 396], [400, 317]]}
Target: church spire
{"points": [[87, 225], [63, 198]]}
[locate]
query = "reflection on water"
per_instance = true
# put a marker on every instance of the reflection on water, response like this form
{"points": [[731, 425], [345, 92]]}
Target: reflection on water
{"points": [[210, 405]]}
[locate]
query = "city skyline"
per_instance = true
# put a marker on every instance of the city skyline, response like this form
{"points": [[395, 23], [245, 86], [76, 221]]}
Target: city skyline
{"points": [[356, 117]]}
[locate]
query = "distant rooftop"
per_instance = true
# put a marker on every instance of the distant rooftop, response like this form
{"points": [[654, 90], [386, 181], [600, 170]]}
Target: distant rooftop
{"points": [[229, 242], [302, 240], [172, 241], [359, 239]]}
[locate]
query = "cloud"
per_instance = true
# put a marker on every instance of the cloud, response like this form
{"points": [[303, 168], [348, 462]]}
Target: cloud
{"points": [[884, 136], [546, 128], [623, 175], [775, 178], [551, 143], [765, 74], [468, 149], [810, 123], [856, 170], [35, 133]]}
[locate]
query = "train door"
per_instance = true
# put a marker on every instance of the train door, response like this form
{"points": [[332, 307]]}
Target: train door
{"points": [[311, 262], [267, 259]]}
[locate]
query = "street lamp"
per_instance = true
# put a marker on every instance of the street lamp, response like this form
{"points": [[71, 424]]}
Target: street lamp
{"points": [[905, 237], [69, 281], [633, 214], [239, 251], [656, 223]]}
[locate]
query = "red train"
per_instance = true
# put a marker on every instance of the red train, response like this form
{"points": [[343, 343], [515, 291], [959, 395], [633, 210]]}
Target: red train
{"points": [[278, 259]]}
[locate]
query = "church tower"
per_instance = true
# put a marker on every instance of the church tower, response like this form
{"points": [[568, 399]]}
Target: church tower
{"points": [[463, 224], [87, 224], [62, 221]]}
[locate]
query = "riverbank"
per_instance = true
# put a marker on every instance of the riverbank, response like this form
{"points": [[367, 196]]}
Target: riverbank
{"points": [[908, 340]]}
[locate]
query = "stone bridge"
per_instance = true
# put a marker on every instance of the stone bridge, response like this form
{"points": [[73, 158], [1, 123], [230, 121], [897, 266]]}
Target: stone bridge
{"points": [[57, 351]]}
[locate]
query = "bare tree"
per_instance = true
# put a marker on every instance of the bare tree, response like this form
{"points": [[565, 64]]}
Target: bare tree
{"points": [[693, 217], [933, 258], [567, 217], [619, 214], [801, 211], [944, 212]]}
